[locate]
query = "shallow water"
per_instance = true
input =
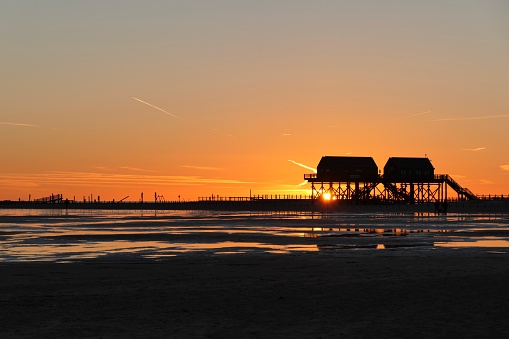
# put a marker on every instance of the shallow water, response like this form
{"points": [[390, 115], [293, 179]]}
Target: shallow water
{"points": [[57, 236]]}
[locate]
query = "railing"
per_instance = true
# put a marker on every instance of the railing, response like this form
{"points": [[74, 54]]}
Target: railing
{"points": [[446, 177], [258, 197], [469, 193], [217, 198], [51, 198], [494, 197], [457, 187], [310, 176]]}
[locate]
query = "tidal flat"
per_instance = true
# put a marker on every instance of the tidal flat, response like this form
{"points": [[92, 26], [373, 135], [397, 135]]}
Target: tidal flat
{"points": [[198, 274]]}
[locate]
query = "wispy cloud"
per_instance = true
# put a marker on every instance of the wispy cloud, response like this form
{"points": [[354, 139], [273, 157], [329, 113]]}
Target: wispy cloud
{"points": [[474, 149], [219, 132], [286, 132], [485, 117], [136, 169], [19, 124], [504, 167], [302, 165], [158, 108], [203, 168], [84, 179], [127, 168], [17, 182], [412, 115]]}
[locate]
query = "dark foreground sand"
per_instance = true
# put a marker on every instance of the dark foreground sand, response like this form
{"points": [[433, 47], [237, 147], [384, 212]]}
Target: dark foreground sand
{"points": [[260, 296]]}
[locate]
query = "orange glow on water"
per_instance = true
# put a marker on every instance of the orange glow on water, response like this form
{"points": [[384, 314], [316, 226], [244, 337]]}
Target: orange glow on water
{"points": [[488, 242], [149, 249]]}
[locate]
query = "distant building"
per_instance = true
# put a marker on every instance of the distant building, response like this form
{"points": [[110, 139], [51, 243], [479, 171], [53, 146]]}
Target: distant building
{"points": [[346, 169], [409, 170]]}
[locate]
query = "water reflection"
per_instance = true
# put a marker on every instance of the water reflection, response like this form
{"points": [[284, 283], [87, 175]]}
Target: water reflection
{"points": [[35, 235], [149, 249], [484, 242], [360, 232]]}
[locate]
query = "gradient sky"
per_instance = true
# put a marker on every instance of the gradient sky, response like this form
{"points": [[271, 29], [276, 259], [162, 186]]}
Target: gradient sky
{"points": [[193, 98]]}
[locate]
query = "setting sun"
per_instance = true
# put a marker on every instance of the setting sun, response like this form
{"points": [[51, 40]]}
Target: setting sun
{"points": [[326, 196]]}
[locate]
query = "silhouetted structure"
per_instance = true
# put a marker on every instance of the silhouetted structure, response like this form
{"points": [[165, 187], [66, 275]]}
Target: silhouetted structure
{"points": [[344, 169], [409, 170], [411, 180], [407, 180], [344, 177], [51, 198]]}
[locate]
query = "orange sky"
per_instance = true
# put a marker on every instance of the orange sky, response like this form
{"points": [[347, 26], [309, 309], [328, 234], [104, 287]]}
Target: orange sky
{"points": [[195, 98]]}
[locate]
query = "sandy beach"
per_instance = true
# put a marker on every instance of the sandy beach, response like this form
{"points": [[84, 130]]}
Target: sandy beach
{"points": [[314, 295]]}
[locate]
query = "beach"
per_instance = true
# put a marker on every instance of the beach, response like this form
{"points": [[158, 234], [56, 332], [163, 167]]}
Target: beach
{"points": [[213, 274], [316, 295]]}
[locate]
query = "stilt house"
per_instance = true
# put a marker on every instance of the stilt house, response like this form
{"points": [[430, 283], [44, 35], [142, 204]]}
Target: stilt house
{"points": [[346, 169], [409, 170]]}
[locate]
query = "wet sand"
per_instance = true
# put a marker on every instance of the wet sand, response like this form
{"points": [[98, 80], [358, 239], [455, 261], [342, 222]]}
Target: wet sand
{"points": [[457, 293]]}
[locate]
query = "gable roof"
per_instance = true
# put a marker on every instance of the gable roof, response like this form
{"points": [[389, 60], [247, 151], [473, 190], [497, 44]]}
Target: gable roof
{"points": [[410, 163], [347, 162]]}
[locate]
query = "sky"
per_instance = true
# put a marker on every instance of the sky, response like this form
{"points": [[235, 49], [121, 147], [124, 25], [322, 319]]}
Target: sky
{"points": [[115, 98]]}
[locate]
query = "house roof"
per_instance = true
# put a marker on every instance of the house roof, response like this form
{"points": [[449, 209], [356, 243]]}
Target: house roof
{"points": [[410, 163], [347, 162]]}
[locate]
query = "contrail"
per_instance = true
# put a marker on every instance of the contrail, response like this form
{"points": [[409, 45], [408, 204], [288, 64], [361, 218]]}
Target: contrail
{"points": [[17, 124], [158, 108], [302, 183], [474, 118], [474, 149], [413, 115], [302, 165]]}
